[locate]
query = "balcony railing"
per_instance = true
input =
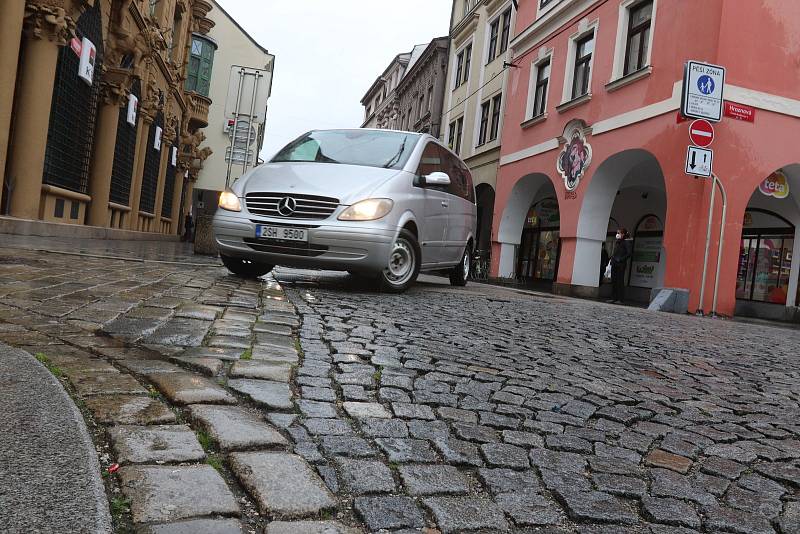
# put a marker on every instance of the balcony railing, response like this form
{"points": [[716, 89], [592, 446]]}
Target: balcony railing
{"points": [[198, 108]]}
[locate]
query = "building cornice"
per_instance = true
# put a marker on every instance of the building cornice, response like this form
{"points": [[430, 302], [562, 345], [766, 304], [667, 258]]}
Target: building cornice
{"points": [[544, 26], [465, 28]]}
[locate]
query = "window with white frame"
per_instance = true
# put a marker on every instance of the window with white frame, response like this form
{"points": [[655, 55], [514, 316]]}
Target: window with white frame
{"points": [[463, 65], [539, 89], [483, 130], [495, 126], [499, 35], [638, 37], [455, 135], [581, 72]]}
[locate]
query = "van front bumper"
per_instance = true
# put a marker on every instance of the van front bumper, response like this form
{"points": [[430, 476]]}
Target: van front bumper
{"points": [[332, 244]]}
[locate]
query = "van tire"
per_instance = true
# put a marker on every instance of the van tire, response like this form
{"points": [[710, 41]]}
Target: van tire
{"points": [[245, 268], [460, 273], [404, 263]]}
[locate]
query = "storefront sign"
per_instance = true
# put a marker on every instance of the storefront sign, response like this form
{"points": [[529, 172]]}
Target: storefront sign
{"points": [[775, 186], [645, 262], [157, 141], [740, 112], [86, 65], [133, 109], [574, 158]]}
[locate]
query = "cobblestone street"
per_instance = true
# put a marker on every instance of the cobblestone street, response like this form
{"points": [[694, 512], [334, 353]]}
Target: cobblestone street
{"points": [[442, 409]]}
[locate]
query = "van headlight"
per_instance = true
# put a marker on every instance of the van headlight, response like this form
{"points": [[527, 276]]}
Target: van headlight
{"points": [[367, 210], [229, 201]]}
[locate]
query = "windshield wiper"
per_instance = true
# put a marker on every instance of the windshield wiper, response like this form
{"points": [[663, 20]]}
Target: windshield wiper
{"points": [[396, 157]]}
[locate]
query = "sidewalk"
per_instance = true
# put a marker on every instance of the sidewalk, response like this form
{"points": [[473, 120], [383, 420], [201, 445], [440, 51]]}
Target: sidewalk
{"points": [[46, 488]]}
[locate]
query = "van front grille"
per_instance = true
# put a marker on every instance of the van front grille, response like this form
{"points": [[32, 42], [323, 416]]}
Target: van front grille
{"points": [[289, 206]]}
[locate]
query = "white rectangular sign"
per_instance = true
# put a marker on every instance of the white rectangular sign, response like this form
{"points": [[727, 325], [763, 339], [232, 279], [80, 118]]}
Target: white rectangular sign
{"points": [[133, 108], [699, 162], [174, 156], [157, 139], [703, 88], [86, 64], [250, 89]]}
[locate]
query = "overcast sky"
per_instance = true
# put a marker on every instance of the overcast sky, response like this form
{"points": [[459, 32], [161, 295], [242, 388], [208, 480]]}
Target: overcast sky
{"points": [[328, 54]]}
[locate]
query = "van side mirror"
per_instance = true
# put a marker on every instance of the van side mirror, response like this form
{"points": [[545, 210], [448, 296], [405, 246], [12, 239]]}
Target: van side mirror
{"points": [[436, 178]]}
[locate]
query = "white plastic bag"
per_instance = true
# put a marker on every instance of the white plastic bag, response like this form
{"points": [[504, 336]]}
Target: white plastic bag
{"points": [[608, 270]]}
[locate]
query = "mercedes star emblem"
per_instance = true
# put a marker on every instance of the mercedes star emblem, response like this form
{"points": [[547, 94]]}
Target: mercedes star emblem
{"points": [[286, 206]]}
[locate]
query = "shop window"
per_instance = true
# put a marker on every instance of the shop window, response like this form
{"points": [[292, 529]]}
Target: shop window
{"points": [[537, 258], [201, 63], [70, 133], [765, 258], [645, 266]]}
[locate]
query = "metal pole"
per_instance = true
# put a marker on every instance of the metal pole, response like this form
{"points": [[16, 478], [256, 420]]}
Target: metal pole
{"points": [[724, 196], [250, 122], [235, 126], [708, 246]]}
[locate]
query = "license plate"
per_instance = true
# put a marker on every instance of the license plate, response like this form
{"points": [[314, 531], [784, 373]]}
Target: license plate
{"points": [[282, 233]]}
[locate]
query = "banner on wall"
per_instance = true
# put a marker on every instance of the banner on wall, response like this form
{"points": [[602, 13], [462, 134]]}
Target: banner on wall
{"points": [[157, 140], [87, 61], [133, 108]]}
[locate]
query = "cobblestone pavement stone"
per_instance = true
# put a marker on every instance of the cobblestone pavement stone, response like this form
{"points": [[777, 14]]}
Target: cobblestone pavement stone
{"points": [[439, 410]]}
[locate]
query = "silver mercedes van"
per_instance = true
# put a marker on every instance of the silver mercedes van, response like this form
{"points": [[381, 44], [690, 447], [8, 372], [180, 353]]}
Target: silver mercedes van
{"points": [[378, 203]]}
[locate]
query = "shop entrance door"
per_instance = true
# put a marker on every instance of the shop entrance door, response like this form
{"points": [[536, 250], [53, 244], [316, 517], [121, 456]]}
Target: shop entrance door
{"points": [[540, 245], [765, 261]]}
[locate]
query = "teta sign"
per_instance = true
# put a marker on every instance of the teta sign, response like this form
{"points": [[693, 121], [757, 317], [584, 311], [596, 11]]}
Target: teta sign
{"points": [[703, 86]]}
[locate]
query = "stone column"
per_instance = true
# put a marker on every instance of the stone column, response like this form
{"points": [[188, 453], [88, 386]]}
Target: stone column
{"points": [[113, 96], [46, 29], [10, 36], [142, 135], [177, 213], [166, 148]]}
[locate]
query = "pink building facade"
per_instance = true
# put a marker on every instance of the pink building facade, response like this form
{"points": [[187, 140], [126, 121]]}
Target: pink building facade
{"points": [[593, 141]]}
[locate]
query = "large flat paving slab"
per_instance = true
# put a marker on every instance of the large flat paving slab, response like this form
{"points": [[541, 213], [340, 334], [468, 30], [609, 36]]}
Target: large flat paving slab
{"points": [[235, 428], [155, 444], [129, 410], [169, 493], [272, 395], [282, 484], [190, 388]]}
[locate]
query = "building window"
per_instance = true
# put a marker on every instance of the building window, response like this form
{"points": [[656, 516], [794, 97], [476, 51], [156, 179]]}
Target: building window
{"points": [[540, 89], [494, 34], [430, 98], [506, 32], [495, 128], [638, 36], [201, 62], [583, 64], [456, 133], [484, 128], [463, 64]]}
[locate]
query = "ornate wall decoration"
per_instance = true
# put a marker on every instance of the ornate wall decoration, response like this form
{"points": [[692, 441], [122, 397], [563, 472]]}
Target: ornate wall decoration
{"points": [[575, 157]]}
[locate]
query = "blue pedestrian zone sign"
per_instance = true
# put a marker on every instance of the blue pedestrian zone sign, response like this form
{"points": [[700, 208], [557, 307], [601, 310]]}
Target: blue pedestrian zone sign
{"points": [[703, 87]]}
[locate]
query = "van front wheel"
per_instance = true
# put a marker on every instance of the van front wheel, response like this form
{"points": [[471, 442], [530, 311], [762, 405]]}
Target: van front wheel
{"points": [[404, 263], [460, 273]]}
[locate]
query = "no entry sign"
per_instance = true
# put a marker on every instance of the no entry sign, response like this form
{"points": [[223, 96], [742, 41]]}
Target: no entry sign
{"points": [[701, 133]]}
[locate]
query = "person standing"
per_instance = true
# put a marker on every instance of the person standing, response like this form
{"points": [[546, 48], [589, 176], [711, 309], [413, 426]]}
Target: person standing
{"points": [[619, 263], [188, 226]]}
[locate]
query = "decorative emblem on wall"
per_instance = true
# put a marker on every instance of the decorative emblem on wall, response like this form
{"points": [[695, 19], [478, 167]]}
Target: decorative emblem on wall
{"points": [[575, 157]]}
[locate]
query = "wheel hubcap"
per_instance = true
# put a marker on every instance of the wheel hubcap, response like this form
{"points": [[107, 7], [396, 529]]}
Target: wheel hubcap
{"points": [[466, 264], [401, 263]]}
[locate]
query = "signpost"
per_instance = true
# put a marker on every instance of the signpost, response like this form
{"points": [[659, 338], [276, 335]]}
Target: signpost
{"points": [[703, 86], [701, 133], [698, 162]]}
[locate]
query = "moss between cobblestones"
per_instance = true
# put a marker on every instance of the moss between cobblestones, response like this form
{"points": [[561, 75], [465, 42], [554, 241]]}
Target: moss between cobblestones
{"points": [[247, 355], [205, 440], [215, 461], [119, 507]]}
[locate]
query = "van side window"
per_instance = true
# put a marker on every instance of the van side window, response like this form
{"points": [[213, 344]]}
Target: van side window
{"points": [[432, 161], [458, 176]]}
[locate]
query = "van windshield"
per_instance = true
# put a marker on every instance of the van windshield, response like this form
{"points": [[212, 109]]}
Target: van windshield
{"points": [[369, 148]]}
